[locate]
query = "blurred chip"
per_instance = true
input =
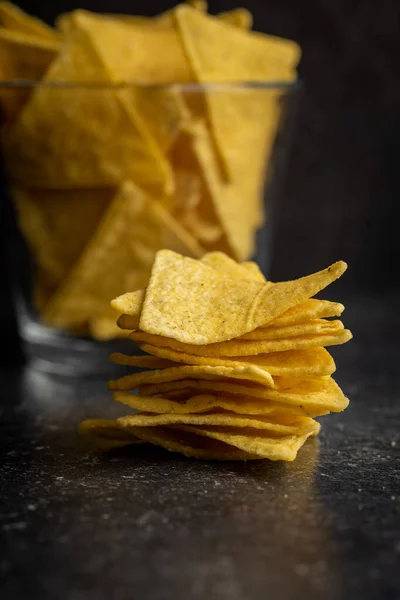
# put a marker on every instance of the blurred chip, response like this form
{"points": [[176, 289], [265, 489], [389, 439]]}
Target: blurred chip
{"points": [[104, 145], [57, 225], [15, 19], [123, 246]]}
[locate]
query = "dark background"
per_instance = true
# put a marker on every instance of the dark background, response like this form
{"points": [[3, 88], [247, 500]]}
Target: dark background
{"points": [[341, 188]]}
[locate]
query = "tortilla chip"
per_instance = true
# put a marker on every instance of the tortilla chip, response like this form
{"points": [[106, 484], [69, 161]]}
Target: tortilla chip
{"points": [[312, 362], [104, 146], [222, 262], [246, 120], [193, 205], [284, 448], [130, 304], [236, 347], [124, 245], [313, 391], [123, 48], [210, 403], [57, 225], [21, 57], [305, 311], [243, 348], [226, 198], [15, 19], [194, 304], [238, 17], [247, 372], [299, 425], [252, 57], [253, 269], [313, 327], [190, 444]]}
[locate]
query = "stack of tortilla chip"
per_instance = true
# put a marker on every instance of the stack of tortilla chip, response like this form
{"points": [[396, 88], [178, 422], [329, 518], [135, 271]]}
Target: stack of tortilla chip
{"points": [[115, 163], [236, 366]]}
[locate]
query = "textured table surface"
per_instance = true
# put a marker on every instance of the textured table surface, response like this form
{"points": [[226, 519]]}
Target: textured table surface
{"points": [[144, 523]]}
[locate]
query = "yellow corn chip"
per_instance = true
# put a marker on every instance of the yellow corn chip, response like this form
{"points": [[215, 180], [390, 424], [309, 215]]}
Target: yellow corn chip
{"points": [[252, 57], [242, 348], [194, 304], [247, 372], [21, 57], [130, 304], [127, 322], [299, 425], [302, 392], [123, 49], [210, 403], [253, 269], [193, 205], [226, 198], [284, 448], [243, 123], [313, 327], [15, 19], [131, 231], [25, 56], [222, 262], [190, 444], [104, 145], [312, 362], [238, 17], [305, 311], [57, 225]]}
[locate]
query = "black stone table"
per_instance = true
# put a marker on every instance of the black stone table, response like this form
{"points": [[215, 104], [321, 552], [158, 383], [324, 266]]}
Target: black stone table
{"points": [[142, 523]]}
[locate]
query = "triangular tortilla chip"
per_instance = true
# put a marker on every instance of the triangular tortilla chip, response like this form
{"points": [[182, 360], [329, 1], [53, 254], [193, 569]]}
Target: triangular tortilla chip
{"points": [[210, 403], [299, 363], [123, 247], [104, 145], [130, 304], [299, 425], [239, 347], [305, 311], [194, 304], [190, 444], [252, 57], [285, 448], [303, 392], [247, 372], [238, 17], [15, 19], [57, 225], [313, 327]]}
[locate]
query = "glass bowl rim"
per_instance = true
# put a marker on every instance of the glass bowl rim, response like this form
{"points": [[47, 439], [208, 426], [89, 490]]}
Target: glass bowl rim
{"points": [[20, 84]]}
